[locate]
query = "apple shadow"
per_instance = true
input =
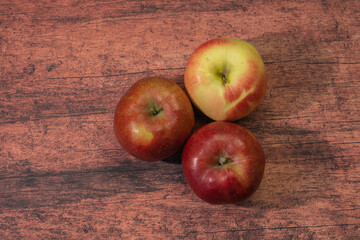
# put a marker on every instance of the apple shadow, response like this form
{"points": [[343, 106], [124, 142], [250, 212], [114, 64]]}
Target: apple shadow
{"points": [[298, 157]]}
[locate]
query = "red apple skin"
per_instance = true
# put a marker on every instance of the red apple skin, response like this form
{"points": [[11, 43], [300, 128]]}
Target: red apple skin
{"points": [[148, 135], [231, 182], [226, 79]]}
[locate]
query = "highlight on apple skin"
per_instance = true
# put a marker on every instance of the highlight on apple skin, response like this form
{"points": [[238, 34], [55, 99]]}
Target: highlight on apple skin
{"points": [[153, 119], [223, 163], [226, 79]]}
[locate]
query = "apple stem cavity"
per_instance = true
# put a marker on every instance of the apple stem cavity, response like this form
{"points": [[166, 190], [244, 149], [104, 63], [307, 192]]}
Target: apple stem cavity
{"points": [[155, 110], [224, 76], [224, 160]]}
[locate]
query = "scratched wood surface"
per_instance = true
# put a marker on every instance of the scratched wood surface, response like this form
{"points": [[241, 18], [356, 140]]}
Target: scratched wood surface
{"points": [[65, 64]]}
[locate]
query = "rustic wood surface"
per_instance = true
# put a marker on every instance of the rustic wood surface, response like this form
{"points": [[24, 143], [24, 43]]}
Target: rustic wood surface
{"points": [[65, 64]]}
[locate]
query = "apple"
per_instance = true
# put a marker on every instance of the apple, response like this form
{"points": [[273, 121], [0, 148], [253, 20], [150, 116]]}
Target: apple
{"points": [[226, 79], [153, 119], [223, 163]]}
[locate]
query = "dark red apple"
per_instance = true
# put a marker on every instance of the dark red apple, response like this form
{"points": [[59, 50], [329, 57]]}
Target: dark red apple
{"points": [[223, 163], [153, 119]]}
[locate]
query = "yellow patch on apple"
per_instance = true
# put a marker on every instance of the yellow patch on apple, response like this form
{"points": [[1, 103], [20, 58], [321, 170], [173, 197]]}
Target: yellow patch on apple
{"points": [[140, 134]]}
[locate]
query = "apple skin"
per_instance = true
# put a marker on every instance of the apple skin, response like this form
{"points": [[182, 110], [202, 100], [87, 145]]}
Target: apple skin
{"points": [[241, 169], [153, 119], [226, 79]]}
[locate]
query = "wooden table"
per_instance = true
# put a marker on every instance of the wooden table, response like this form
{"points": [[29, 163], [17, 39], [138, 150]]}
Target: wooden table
{"points": [[65, 64]]}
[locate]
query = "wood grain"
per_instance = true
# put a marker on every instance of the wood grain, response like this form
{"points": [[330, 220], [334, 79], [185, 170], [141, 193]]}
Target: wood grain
{"points": [[65, 64]]}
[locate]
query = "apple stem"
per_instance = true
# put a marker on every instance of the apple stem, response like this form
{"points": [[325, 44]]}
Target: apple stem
{"points": [[223, 76], [224, 160], [155, 111], [224, 80]]}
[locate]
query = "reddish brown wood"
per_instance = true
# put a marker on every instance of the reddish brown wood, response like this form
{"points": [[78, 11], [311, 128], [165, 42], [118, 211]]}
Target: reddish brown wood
{"points": [[65, 64]]}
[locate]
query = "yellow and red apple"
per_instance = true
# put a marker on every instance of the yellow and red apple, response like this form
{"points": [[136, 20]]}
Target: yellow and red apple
{"points": [[226, 79], [153, 119]]}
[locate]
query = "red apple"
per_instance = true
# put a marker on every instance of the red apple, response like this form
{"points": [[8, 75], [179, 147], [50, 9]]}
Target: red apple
{"points": [[226, 79], [223, 163], [153, 119]]}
